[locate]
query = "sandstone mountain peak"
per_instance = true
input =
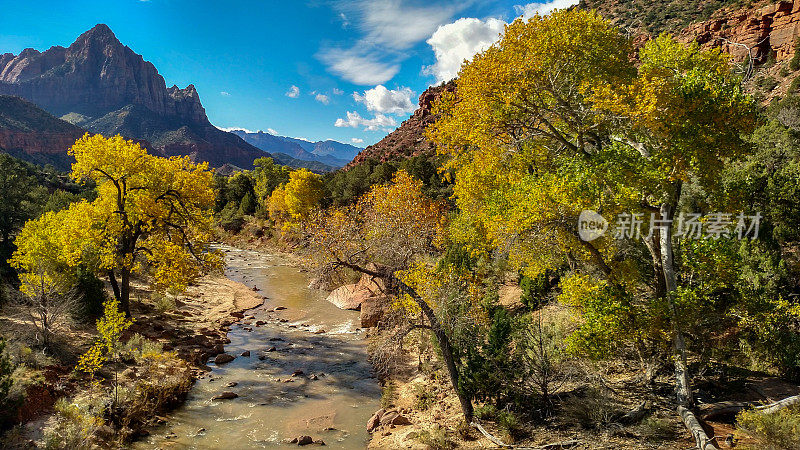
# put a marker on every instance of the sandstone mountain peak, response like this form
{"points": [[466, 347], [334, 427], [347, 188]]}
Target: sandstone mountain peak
{"points": [[105, 87]]}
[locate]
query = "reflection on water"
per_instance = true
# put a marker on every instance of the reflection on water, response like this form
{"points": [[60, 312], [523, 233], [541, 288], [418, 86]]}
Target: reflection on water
{"points": [[307, 373]]}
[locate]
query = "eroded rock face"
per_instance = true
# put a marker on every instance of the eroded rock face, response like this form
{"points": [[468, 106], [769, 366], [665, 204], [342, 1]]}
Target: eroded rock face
{"points": [[771, 29], [94, 75]]}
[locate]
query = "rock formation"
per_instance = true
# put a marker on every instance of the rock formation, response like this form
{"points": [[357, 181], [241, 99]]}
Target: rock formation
{"points": [[32, 134], [770, 30], [104, 87], [409, 138]]}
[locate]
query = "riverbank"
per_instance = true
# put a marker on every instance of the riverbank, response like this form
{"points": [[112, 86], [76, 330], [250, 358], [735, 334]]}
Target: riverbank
{"points": [[165, 352]]}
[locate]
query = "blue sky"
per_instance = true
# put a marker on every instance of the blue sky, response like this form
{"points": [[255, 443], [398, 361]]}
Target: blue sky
{"points": [[344, 70]]}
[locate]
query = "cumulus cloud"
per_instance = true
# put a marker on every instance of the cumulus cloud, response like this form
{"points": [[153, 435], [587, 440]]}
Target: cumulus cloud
{"points": [[293, 92], [458, 41], [224, 94], [337, 91], [358, 66], [354, 120], [357, 140], [322, 98], [531, 9], [272, 131], [388, 101]]}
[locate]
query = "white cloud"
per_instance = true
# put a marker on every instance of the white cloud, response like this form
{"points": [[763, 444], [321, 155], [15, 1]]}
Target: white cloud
{"points": [[303, 139], [229, 129], [531, 9], [293, 92], [355, 120], [345, 22], [458, 41], [400, 25], [358, 66], [272, 131], [388, 29], [337, 91], [224, 94], [357, 140], [322, 98], [382, 100]]}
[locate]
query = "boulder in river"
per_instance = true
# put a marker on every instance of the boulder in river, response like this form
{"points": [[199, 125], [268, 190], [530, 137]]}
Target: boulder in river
{"points": [[375, 421], [246, 353], [373, 309], [223, 358], [304, 440], [227, 395]]}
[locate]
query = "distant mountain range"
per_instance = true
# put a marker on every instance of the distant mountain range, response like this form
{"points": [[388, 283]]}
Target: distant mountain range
{"points": [[99, 85], [331, 153]]}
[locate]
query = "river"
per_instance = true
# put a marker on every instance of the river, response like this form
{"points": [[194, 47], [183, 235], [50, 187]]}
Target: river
{"points": [[331, 400]]}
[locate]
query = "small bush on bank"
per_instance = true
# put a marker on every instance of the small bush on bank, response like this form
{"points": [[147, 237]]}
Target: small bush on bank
{"points": [[388, 395], [425, 397], [436, 439], [657, 429], [595, 409], [779, 430]]}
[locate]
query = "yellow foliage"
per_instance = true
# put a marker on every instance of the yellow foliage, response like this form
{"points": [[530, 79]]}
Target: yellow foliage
{"points": [[302, 194], [110, 327], [152, 215]]}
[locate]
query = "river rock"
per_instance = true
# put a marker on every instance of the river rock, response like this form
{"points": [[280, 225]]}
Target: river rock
{"points": [[297, 373], [246, 353], [280, 308], [227, 395], [375, 421], [348, 297], [271, 349], [373, 309], [394, 418], [304, 440], [223, 358]]}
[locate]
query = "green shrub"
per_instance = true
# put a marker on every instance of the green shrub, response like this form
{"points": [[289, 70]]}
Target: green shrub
{"points": [[657, 429], [425, 396], [779, 430], [794, 64], [163, 302], [388, 395], [436, 439]]}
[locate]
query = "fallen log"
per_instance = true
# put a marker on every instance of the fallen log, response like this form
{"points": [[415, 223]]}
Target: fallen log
{"points": [[494, 440], [712, 410], [698, 433], [779, 405]]}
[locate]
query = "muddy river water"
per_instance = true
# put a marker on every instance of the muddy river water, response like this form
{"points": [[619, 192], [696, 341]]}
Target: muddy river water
{"points": [[331, 399]]}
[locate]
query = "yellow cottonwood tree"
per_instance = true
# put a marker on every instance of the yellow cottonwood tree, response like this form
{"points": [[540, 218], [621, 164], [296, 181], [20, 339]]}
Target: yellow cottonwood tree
{"points": [[556, 118], [152, 216], [303, 193]]}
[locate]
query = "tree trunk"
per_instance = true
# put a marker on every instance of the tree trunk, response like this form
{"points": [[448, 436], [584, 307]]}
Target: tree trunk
{"points": [[125, 292], [114, 286], [444, 346], [436, 326], [701, 439], [683, 390]]}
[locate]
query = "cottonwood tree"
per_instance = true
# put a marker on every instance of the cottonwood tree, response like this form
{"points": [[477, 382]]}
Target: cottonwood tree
{"points": [[556, 118], [390, 225], [152, 216]]}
